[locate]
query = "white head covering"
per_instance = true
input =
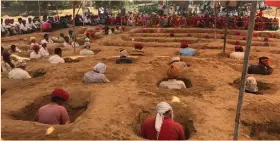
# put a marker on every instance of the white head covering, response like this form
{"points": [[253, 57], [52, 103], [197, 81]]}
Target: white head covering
{"points": [[123, 53], [162, 108], [100, 67], [251, 84], [87, 40], [87, 44], [20, 63], [177, 58]]}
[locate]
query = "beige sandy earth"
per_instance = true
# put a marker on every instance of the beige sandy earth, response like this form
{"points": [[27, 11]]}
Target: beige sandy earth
{"points": [[117, 109]]}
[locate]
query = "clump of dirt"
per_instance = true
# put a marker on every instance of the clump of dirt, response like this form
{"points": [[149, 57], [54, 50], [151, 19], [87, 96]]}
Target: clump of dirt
{"points": [[39, 72], [268, 131], [266, 88], [181, 115], [69, 60], [74, 107]]}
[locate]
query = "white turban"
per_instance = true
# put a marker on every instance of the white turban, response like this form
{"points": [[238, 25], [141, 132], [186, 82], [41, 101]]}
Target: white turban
{"points": [[87, 44], [251, 84], [177, 58], [162, 108], [100, 67], [87, 40], [123, 53], [20, 63]]}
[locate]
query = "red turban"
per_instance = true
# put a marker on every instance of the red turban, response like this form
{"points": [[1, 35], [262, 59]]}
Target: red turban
{"points": [[265, 39], [238, 48], [184, 44], [138, 46], [237, 43], [36, 47], [58, 92]]}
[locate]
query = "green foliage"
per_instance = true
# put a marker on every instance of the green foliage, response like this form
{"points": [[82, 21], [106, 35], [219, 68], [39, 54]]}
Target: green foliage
{"points": [[148, 9]]}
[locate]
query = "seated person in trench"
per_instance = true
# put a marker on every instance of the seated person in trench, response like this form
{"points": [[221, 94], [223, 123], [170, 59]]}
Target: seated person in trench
{"points": [[123, 58], [54, 112], [263, 67], [46, 39], [6, 63], [172, 83], [35, 54], [97, 75], [86, 50], [162, 127], [19, 72], [186, 51], [177, 62], [238, 53], [57, 57], [251, 85], [138, 49]]}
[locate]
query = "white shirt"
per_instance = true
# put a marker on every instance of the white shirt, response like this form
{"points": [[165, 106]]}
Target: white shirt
{"points": [[172, 84], [67, 45], [5, 66], [34, 55], [55, 59], [86, 52], [31, 25], [44, 52], [237, 55], [24, 28], [18, 73], [50, 41]]}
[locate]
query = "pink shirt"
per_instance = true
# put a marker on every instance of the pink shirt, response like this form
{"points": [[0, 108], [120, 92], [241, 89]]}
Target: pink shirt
{"points": [[52, 114]]}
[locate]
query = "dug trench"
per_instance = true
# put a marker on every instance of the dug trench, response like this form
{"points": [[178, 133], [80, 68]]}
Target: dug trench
{"points": [[75, 107], [266, 88], [181, 113]]}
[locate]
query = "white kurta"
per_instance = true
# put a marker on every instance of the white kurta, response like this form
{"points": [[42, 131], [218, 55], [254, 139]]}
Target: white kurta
{"points": [[55, 59], [44, 52], [34, 55], [18, 73]]}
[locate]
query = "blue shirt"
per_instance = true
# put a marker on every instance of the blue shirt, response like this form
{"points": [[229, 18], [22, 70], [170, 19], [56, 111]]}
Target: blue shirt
{"points": [[187, 52]]}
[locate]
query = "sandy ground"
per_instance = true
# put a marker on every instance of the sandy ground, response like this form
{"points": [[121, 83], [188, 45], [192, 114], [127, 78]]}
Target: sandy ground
{"points": [[116, 110]]}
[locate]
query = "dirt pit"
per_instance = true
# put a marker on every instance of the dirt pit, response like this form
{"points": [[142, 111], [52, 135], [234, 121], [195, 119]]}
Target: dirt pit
{"points": [[266, 88], [181, 115], [269, 131], [28, 113]]}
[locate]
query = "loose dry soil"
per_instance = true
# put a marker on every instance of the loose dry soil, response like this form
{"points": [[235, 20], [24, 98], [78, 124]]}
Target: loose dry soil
{"points": [[116, 110]]}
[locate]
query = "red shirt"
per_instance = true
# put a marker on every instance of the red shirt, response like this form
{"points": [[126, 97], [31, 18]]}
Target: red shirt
{"points": [[170, 130], [46, 26], [52, 114]]}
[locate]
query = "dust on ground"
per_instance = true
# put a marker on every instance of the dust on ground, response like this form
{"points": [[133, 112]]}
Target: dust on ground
{"points": [[116, 110]]}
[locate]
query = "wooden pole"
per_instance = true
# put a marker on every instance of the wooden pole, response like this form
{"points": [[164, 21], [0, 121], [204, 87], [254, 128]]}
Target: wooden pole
{"points": [[215, 20], [74, 38], [245, 68], [226, 26], [40, 15]]}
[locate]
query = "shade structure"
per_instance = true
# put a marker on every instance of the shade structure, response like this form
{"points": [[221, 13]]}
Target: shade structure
{"points": [[274, 3]]}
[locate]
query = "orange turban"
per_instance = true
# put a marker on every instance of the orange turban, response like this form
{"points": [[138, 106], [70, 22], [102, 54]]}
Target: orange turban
{"points": [[173, 71]]}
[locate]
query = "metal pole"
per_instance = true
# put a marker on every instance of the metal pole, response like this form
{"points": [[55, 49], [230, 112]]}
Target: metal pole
{"points": [[74, 27], [226, 26], [40, 16], [245, 68]]}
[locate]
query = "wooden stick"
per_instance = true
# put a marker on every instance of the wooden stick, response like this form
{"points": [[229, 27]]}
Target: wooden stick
{"points": [[74, 26], [245, 68], [225, 33], [215, 22], [40, 16]]}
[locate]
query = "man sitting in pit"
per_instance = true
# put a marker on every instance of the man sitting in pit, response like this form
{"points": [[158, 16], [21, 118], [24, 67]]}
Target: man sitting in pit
{"points": [[44, 50], [6, 63], [61, 37], [33, 42], [138, 49], [71, 34], [86, 50], [35, 54], [14, 49], [251, 85], [186, 51], [46, 39], [19, 72], [54, 112], [97, 75], [56, 58], [177, 62], [172, 83], [238, 54], [162, 127], [262, 68], [123, 58], [67, 43]]}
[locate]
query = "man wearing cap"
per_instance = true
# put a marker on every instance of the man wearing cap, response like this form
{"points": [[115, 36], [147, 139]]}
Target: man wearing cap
{"points": [[123, 58], [86, 50], [35, 54], [185, 50], [262, 68], [19, 72], [56, 58], [177, 62], [238, 54], [33, 42], [97, 75], [251, 85], [54, 112], [172, 83], [162, 127], [44, 50]]}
